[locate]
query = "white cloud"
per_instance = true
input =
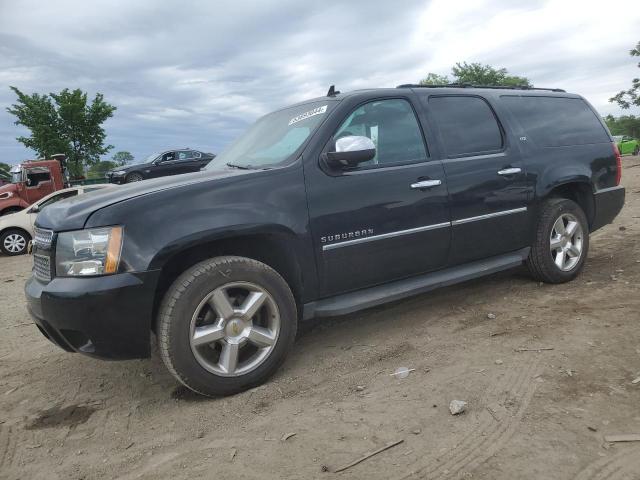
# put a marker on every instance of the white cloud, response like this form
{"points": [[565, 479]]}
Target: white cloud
{"points": [[196, 73]]}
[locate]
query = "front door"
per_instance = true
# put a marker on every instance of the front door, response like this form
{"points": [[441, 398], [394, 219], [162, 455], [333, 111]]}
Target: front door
{"points": [[486, 177], [38, 183], [386, 219]]}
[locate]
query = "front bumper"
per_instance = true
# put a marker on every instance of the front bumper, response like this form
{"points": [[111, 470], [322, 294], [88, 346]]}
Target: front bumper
{"points": [[111, 178], [608, 203], [106, 317]]}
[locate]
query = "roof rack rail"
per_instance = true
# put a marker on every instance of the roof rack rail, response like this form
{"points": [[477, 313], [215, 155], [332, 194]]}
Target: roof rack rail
{"points": [[469, 85]]}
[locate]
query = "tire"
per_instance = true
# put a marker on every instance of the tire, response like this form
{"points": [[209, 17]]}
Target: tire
{"points": [[14, 242], [544, 262], [133, 177], [194, 304]]}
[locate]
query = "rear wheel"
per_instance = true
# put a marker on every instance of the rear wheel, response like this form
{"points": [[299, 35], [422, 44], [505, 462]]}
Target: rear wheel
{"points": [[226, 324], [133, 177], [561, 242], [14, 242]]}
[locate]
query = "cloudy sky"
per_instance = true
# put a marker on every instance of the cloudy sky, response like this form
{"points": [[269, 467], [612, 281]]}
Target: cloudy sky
{"points": [[195, 73]]}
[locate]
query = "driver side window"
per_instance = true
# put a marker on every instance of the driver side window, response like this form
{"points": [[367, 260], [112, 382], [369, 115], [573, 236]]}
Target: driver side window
{"points": [[393, 128], [169, 156], [37, 175]]}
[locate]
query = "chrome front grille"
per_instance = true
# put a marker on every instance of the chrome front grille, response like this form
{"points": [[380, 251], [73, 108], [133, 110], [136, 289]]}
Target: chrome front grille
{"points": [[42, 267], [42, 238]]}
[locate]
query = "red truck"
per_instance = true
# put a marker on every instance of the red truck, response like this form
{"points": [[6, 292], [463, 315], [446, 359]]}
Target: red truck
{"points": [[30, 181]]}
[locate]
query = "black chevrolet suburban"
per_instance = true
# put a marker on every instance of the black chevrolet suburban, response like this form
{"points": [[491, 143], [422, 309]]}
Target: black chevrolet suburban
{"points": [[323, 208]]}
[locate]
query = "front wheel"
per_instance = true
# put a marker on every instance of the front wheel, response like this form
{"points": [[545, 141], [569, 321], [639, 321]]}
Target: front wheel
{"points": [[134, 177], [561, 242], [14, 242], [226, 324]]}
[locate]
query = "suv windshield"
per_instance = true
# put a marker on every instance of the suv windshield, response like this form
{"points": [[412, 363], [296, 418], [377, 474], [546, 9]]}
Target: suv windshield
{"points": [[274, 138]]}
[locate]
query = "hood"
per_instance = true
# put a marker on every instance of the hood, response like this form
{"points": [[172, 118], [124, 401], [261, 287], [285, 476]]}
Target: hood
{"points": [[8, 188], [72, 213], [128, 168]]}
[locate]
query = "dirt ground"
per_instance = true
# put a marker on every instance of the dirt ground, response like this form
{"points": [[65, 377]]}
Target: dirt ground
{"points": [[531, 414]]}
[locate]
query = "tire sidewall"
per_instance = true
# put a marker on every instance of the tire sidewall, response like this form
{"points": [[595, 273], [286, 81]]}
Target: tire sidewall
{"points": [[14, 232], [178, 311], [556, 210]]}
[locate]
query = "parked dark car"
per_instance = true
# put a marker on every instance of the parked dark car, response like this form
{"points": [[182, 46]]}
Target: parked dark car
{"points": [[320, 209], [171, 162]]}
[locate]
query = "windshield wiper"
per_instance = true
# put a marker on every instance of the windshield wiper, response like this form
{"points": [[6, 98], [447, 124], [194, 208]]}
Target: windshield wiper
{"points": [[241, 167]]}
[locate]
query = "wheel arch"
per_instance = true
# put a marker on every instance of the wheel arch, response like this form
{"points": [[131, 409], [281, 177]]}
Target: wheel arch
{"points": [[273, 247], [580, 191]]}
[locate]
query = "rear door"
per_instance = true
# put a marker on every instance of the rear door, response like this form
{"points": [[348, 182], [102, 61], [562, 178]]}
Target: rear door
{"points": [[488, 190], [386, 219]]}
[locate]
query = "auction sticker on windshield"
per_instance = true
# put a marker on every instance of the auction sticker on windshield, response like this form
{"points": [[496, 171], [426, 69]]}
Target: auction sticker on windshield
{"points": [[310, 113]]}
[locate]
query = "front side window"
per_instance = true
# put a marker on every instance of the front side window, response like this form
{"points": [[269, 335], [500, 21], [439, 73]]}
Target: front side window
{"points": [[37, 175], [393, 128], [467, 125], [169, 157]]}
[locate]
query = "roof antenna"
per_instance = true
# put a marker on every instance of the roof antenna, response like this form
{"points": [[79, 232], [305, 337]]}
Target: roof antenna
{"points": [[332, 91]]}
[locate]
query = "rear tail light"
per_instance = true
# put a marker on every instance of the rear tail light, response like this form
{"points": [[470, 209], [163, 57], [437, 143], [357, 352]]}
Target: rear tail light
{"points": [[618, 163]]}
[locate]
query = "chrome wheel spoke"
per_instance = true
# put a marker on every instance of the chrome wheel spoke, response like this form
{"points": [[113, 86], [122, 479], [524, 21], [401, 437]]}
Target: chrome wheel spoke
{"points": [[261, 337], [252, 304], [558, 227], [572, 226], [208, 334], [573, 251], [560, 259], [220, 302], [229, 357], [556, 243]]}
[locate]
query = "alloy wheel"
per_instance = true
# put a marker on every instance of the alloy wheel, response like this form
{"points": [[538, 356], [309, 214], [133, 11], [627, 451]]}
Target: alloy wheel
{"points": [[234, 329], [566, 242]]}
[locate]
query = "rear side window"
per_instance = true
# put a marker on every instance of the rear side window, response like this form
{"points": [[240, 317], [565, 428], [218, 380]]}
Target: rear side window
{"points": [[467, 125], [556, 121]]}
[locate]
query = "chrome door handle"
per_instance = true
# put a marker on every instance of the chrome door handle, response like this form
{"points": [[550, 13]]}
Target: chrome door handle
{"points": [[426, 184], [509, 171]]}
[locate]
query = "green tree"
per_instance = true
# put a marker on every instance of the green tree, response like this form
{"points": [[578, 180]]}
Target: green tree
{"points": [[626, 98], [435, 79], [98, 169], [122, 158], [477, 74], [66, 123], [4, 170], [624, 125]]}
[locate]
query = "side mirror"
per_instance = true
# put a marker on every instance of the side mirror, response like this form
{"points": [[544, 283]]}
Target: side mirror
{"points": [[351, 151], [28, 182], [35, 209]]}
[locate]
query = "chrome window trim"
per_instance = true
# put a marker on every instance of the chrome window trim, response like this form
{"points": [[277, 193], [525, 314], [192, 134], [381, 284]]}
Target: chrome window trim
{"points": [[488, 215], [425, 228]]}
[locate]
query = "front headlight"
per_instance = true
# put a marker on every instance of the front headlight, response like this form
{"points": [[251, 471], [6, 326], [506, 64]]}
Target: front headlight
{"points": [[88, 252], [119, 172]]}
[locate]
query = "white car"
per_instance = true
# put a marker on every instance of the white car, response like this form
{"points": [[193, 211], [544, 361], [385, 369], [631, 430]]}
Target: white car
{"points": [[16, 229]]}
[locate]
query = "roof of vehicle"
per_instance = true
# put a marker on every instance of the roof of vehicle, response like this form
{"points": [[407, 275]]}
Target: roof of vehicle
{"points": [[456, 88]]}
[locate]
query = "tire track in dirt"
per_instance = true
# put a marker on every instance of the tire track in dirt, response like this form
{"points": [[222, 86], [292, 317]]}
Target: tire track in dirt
{"points": [[489, 436], [624, 465], [7, 447]]}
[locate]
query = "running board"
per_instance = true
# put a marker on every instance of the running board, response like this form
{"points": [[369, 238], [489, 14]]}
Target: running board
{"points": [[370, 297]]}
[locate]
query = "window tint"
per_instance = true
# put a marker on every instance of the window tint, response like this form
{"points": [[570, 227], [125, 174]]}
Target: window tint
{"points": [[467, 125], [57, 198], [185, 155], [37, 175], [393, 128], [556, 121], [169, 157]]}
